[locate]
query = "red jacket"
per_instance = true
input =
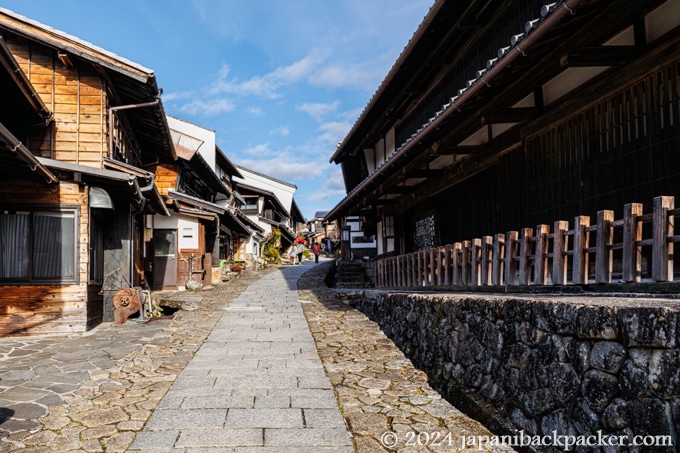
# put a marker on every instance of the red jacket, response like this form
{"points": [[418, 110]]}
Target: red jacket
{"points": [[316, 249]]}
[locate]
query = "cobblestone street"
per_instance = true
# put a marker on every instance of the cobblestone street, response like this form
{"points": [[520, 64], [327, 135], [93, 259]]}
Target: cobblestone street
{"points": [[96, 391]]}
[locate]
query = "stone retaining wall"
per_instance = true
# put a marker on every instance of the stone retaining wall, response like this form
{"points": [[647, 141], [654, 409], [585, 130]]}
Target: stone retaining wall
{"points": [[572, 365]]}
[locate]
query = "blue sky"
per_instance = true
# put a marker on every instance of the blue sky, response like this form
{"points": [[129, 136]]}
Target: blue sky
{"points": [[280, 81]]}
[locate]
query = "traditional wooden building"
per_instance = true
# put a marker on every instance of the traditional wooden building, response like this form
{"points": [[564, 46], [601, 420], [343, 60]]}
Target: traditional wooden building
{"points": [[500, 115], [198, 191], [269, 203], [80, 125]]}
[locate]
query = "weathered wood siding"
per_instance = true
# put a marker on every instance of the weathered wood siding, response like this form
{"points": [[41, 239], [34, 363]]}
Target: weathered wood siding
{"points": [[166, 178], [77, 98], [49, 309]]}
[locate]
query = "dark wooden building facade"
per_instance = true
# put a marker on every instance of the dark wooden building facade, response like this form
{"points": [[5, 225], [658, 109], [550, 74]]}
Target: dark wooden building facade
{"points": [[508, 114]]}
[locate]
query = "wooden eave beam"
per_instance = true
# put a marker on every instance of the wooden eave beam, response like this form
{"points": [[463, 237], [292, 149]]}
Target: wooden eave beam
{"points": [[424, 173], [602, 56], [513, 115], [399, 189], [466, 149]]}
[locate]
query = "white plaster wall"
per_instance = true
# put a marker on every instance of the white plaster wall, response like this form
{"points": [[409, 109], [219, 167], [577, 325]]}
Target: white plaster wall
{"points": [[207, 149]]}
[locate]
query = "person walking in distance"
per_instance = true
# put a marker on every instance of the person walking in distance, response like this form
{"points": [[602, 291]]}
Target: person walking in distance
{"points": [[317, 250]]}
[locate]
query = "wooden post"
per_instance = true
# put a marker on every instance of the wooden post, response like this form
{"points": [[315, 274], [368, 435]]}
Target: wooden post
{"points": [[487, 250], [475, 261], [632, 253], [662, 250], [457, 254], [580, 265], [560, 245], [440, 261], [431, 266], [378, 273], [524, 252], [541, 260], [448, 251], [510, 253], [603, 255], [465, 263], [414, 269], [497, 265]]}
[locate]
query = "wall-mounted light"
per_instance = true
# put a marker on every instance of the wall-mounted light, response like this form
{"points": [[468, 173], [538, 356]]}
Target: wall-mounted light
{"points": [[480, 73], [490, 63], [470, 82], [502, 51], [461, 91]]}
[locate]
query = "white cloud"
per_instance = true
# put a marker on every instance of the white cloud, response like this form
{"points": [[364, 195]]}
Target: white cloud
{"points": [[317, 109], [284, 168], [333, 187], [255, 111], [209, 107], [263, 149], [282, 131]]}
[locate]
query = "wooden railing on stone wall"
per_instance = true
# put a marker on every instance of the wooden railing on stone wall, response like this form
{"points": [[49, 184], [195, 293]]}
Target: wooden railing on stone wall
{"points": [[543, 257]]}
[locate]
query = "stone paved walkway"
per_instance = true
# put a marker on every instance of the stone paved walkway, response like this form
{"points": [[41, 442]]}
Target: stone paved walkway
{"points": [[257, 383], [112, 389]]}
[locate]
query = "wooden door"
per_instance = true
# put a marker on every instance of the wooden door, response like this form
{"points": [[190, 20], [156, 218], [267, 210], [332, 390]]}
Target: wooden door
{"points": [[165, 259]]}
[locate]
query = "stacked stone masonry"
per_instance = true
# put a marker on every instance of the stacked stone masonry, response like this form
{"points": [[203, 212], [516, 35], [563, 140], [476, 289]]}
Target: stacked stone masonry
{"points": [[573, 365]]}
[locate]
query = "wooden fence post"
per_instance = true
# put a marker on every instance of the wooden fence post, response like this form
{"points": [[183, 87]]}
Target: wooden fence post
{"points": [[456, 264], [560, 244], [497, 265], [440, 261], [632, 253], [475, 262], [662, 250], [431, 266], [580, 264], [465, 263], [603, 254], [410, 266], [524, 252], [541, 260], [448, 250], [487, 250], [511, 251]]}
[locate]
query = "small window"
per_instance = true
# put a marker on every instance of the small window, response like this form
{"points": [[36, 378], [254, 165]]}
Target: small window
{"points": [[388, 227], [39, 246]]}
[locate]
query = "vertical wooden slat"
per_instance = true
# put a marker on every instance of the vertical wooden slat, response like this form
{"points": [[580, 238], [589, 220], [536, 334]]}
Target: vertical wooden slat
{"points": [[560, 244], [524, 252], [440, 265], [603, 255], [455, 264], [487, 251], [541, 260], [497, 265], [475, 261], [632, 253], [448, 272], [510, 254], [431, 266], [465, 263], [580, 264], [662, 250], [413, 258]]}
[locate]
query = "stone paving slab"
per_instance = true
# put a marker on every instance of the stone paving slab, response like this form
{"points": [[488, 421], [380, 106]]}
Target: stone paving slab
{"points": [[272, 395]]}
